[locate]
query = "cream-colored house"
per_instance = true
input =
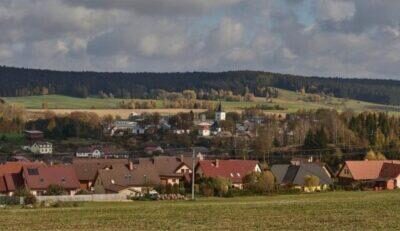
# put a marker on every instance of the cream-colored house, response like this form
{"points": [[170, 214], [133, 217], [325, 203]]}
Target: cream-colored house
{"points": [[42, 148]]}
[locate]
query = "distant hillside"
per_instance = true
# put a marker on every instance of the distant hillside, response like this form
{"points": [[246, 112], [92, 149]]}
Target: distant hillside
{"points": [[27, 82]]}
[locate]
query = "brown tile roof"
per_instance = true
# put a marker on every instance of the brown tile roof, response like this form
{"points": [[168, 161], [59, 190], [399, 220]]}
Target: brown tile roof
{"points": [[86, 169], [367, 169], [120, 177], [39, 178], [168, 165], [234, 170], [390, 170]]}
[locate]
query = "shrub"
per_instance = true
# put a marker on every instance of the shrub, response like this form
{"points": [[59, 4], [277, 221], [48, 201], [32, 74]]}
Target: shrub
{"points": [[263, 182], [55, 190], [311, 181], [7, 200], [83, 192], [29, 198]]}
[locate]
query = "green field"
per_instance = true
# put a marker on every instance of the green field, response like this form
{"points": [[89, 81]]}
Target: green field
{"points": [[289, 100], [323, 211]]}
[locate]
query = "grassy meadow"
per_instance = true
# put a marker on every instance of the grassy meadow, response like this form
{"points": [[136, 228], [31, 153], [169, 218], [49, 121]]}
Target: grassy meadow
{"points": [[323, 211], [289, 100]]}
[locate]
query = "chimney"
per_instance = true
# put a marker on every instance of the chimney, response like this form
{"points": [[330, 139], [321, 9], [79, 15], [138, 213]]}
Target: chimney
{"points": [[217, 163], [130, 165], [181, 158]]}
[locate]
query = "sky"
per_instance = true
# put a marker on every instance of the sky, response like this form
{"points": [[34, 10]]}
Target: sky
{"points": [[339, 38]]}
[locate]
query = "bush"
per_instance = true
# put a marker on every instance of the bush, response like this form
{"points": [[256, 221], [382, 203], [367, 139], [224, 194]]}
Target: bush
{"points": [[29, 198], [83, 192], [55, 190], [7, 200], [258, 183], [215, 186]]}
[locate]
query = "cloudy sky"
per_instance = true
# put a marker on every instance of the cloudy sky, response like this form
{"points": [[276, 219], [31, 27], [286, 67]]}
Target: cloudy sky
{"points": [[352, 38]]}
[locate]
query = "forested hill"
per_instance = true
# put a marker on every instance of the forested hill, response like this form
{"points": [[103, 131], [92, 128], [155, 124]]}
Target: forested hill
{"points": [[24, 82]]}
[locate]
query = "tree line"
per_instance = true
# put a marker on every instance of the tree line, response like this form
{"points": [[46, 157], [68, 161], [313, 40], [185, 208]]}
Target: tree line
{"points": [[26, 82]]}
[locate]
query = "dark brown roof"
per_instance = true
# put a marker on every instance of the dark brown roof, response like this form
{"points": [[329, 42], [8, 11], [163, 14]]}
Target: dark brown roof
{"points": [[40, 178], [390, 170], [167, 165], [86, 169], [119, 177]]}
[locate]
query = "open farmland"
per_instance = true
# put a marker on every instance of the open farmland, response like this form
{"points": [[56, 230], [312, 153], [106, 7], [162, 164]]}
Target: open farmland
{"points": [[289, 101], [324, 211]]}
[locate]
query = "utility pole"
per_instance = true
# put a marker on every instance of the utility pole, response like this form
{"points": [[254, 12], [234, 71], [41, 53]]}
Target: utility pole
{"points": [[193, 172]]}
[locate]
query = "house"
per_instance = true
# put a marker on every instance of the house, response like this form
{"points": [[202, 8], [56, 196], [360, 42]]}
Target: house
{"points": [[131, 180], [171, 170], [86, 169], [33, 135], [121, 126], [389, 177], [369, 173], [11, 175], [41, 148], [294, 175], [204, 129], [220, 115], [37, 179], [234, 170], [89, 152]]}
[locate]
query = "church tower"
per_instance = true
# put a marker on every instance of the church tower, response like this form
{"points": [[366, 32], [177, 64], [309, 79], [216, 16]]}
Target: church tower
{"points": [[220, 115]]}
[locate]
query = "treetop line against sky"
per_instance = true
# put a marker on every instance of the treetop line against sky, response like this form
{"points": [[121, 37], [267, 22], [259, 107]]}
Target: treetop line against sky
{"points": [[353, 38]]}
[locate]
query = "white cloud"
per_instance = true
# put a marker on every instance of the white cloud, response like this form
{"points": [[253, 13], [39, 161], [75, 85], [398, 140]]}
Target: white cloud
{"points": [[335, 10], [357, 38]]}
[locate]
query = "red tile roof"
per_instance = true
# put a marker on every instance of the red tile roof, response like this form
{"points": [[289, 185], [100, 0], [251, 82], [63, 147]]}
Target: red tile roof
{"points": [[16, 167], [10, 177], [234, 170], [40, 178], [367, 170]]}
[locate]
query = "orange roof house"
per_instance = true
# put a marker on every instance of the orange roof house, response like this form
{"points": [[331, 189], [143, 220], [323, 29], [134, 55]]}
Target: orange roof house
{"points": [[375, 172]]}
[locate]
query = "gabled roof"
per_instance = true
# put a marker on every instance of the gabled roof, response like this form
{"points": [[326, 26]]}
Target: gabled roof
{"points": [[86, 169], [366, 169], [279, 171], [296, 174], [167, 165], [234, 170], [16, 166], [40, 178], [10, 174], [120, 177], [390, 170]]}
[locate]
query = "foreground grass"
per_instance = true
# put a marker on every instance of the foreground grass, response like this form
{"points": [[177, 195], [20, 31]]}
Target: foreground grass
{"points": [[327, 211]]}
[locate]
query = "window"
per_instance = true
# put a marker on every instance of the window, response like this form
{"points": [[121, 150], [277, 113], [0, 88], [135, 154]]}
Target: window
{"points": [[33, 171]]}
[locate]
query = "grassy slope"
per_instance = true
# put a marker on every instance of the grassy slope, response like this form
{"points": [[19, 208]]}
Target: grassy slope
{"points": [[340, 210], [292, 101]]}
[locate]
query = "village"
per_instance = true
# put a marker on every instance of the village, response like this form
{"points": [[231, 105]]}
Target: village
{"points": [[180, 172]]}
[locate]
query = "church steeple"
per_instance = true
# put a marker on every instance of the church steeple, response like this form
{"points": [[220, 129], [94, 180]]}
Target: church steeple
{"points": [[219, 108], [219, 113]]}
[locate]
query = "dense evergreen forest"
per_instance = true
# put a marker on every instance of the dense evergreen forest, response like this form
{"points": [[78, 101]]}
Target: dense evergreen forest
{"points": [[25, 82]]}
